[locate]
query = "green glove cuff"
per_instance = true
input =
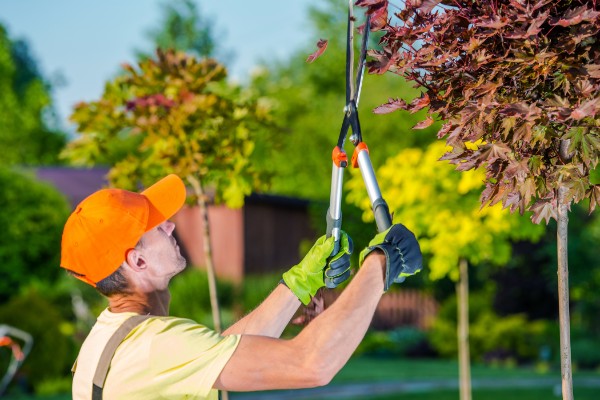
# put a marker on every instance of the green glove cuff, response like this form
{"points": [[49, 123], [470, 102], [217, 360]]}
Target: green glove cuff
{"points": [[378, 239]]}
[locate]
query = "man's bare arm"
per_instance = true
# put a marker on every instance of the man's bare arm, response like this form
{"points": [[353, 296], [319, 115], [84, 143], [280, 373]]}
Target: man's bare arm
{"points": [[301, 283], [271, 317], [319, 351]]}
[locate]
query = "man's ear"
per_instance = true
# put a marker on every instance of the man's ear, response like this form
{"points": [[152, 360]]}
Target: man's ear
{"points": [[136, 260]]}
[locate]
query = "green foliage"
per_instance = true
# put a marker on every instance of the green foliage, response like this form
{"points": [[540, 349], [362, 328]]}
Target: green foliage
{"points": [[32, 217], [491, 337], [440, 206], [53, 351], [175, 114], [585, 353], [54, 386], [309, 101], [256, 288], [25, 109], [522, 78], [400, 342], [184, 29], [190, 297]]}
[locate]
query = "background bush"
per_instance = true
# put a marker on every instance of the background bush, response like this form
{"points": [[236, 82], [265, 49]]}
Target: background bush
{"points": [[33, 215], [190, 297], [492, 337], [54, 350], [400, 342]]}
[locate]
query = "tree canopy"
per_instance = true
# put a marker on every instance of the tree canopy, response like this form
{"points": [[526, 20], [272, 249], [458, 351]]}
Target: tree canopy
{"points": [[174, 114], [520, 78], [184, 28], [28, 134], [441, 206]]}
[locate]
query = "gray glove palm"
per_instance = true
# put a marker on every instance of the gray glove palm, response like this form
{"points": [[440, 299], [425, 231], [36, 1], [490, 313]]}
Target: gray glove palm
{"points": [[402, 253]]}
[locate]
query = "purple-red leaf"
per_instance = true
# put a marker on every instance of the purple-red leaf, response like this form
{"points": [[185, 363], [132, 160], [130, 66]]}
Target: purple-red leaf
{"points": [[594, 197], [576, 16], [419, 103], [586, 109], [543, 209], [390, 106], [380, 62], [445, 129], [494, 151], [424, 124], [496, 22], [376, 11], [369, 3], [321, 46], [512, 201], [428, 5], [594, 70]]}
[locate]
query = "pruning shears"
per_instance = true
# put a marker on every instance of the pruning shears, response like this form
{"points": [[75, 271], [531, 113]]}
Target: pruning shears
{"points": [[360, 158]]}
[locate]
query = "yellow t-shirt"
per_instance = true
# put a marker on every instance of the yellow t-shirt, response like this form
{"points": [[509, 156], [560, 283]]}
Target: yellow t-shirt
{"points": [[162, 358]]}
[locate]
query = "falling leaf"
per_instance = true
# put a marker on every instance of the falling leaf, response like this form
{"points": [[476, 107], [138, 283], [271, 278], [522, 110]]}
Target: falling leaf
{"points": [[321, 46]]}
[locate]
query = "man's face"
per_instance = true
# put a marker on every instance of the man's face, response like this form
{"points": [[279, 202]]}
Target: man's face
{"points": [[162, 252]]}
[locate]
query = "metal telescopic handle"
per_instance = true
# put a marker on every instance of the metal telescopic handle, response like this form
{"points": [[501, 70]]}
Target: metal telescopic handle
{"points": [[334, 213], [383, 219]]}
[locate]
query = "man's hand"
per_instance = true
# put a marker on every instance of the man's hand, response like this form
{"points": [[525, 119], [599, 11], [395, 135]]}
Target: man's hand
{"points": [[402, 253], [320, 268]]}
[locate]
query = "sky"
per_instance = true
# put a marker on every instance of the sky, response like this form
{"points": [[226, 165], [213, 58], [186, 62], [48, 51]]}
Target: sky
{"points": [[80, 44]]}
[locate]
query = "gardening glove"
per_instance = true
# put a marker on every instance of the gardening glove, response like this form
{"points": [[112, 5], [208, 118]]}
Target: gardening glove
{"points": [[319, 267], [338, 264], [402, 253]]}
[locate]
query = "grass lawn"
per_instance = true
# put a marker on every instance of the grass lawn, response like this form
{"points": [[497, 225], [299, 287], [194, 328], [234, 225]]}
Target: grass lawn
{"points": [[498, 394], [364, 370]]}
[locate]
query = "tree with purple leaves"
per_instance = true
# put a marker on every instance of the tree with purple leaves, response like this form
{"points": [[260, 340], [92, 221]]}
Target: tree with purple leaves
{"points": [[519, 79]]}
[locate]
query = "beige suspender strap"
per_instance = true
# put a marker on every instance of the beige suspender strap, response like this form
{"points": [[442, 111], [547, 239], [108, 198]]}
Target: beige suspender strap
{"points": [[109, 352]]}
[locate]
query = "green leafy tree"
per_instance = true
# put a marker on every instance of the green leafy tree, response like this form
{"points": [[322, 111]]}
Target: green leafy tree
{"points": [[176, 114], [524, 78], [183, 28], [440, 205], [32, 218], [309, 101], [26, 135]]}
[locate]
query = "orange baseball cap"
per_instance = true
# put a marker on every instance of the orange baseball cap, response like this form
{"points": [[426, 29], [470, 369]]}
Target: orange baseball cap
{"points": [[109, 222]]}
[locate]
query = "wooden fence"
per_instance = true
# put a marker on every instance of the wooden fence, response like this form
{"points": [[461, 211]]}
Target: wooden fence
{"points": [[402, 308]]}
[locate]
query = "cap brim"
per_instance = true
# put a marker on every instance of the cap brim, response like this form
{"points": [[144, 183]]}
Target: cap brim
{"points": [[165, 198]]}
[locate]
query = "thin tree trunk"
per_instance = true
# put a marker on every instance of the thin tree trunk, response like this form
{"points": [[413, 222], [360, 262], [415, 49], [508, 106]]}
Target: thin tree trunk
{"points": [[563, 296], [210, 269], [464, 361]]}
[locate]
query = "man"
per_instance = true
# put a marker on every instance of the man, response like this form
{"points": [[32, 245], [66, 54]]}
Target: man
{"points": [[121, 242]]}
